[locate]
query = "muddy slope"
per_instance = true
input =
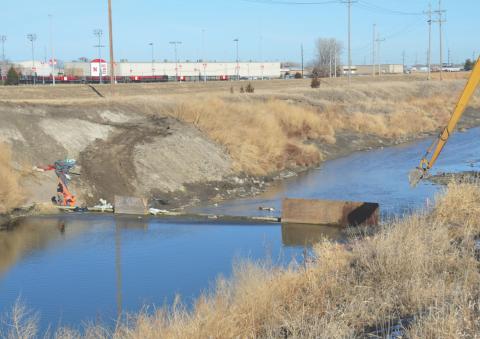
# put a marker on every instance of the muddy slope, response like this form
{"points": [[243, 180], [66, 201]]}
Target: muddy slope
{"points": [[119, 151]]}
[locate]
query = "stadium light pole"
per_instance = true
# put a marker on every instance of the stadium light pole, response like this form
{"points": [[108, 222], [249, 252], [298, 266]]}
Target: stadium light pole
{"points": [[3, 38], [237, 58], [32, 37], [110, 30], [50, 16], [153, 58], [175, 43], [99, 34]]}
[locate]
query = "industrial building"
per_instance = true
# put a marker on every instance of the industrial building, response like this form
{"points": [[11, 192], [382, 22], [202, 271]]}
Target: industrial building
{"points": [[93, 71], [369, 69], [184, 71]]}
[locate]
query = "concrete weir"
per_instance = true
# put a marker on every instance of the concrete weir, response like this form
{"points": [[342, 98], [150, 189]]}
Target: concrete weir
{"points": [[329, 212]]}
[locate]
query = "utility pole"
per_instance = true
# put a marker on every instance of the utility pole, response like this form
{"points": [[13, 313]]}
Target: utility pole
{"points": [[301, 55], [203, 45], [403, 60], [449, 57], [335, 57], [238, 60], [3, 38], [373, 48], [52, 50], [429, 56], [330, 61], [153, 59], [349, 9], [175, 43], [440, 22], [110, 31], [99, 34], [32, 37], [379, 41]]}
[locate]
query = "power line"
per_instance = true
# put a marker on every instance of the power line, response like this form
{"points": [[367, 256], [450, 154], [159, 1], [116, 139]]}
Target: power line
{"points": [[372, 7]]}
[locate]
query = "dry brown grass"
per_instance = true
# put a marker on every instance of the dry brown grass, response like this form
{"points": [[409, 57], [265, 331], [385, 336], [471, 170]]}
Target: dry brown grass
{"points": [[422, 269], [261, 136], [272, 131], [11, 194]]}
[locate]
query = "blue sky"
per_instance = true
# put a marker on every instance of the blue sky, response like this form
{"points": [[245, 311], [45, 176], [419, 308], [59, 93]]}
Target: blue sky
{"points": [[266, 31]]}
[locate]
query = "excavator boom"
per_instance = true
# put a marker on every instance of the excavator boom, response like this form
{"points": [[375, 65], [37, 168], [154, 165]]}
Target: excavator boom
{"points": [[437, 146]]}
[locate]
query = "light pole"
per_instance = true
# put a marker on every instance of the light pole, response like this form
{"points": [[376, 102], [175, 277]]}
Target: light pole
{"points": [[237, 59], [99, 34], [3, 38], [110, 35], [175, 44], [51, 46], [153, 59], [32, 37]]}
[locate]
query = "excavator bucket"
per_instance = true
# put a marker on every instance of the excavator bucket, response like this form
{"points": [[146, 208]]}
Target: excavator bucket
{"points": [[328, 212], [415, 176]]}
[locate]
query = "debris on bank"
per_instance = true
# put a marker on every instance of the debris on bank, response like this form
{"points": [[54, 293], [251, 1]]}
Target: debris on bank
{"points": [[444, 178]]}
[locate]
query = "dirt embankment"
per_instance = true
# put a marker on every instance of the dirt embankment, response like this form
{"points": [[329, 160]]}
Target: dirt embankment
{"points": [[179, 145], [118, 152]]}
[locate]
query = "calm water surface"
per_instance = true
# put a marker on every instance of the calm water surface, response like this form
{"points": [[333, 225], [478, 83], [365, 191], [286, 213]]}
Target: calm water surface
{"points": [[75, 268]]}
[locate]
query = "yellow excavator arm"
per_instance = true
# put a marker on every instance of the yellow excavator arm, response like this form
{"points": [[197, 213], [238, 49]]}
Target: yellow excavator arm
{"points": [[437, 146]]}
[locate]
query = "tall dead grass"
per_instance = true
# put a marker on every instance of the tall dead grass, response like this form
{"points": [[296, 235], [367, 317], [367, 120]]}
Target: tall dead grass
{"points": [[269, 132], [261, 136], [420, 272], [11, 194]]}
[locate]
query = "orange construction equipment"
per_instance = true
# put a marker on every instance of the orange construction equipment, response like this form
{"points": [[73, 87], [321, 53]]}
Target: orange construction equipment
{"points": [[62, 169]]}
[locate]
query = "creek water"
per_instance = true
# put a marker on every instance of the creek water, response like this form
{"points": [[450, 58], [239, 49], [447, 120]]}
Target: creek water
{"points": [[77, 268]]}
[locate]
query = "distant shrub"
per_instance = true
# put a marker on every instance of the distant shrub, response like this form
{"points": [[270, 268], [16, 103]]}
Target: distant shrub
{"points": [[315, 82], [242, 90], [12, 77], [232, 90], [298, 75], [250, 88]]}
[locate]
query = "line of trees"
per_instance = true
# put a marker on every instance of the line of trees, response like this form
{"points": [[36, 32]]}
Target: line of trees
{"points": [[469, 64], [328, 60]]}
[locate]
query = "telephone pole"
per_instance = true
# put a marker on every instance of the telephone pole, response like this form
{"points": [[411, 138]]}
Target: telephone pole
{"points": [[301, 53], [3, 38], [349, 9], [440, 22], [379, 41], [110, 31], [429, 54], [403, 58], [373, 49]]}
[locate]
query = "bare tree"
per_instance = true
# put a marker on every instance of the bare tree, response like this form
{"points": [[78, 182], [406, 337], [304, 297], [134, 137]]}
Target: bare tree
{"points": [[327, 60]]}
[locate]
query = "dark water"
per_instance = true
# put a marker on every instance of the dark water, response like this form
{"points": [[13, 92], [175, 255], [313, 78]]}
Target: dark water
{"points": [[88, 268]]}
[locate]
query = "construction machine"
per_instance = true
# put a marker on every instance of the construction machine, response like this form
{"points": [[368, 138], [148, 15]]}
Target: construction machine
{"points": [[62, 169], [438, 144]]}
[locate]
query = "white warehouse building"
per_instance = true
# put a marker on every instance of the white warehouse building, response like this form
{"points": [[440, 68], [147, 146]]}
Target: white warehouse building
{"points": [[183, 70]]}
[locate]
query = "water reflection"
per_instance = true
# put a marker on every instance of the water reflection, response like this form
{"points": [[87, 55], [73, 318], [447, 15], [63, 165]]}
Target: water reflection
{"points": [[29, 235], [300, 235]]}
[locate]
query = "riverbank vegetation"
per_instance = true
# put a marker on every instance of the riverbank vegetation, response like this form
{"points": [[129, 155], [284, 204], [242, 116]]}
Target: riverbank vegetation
{"points": [[418, 276], [272, 131]]}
